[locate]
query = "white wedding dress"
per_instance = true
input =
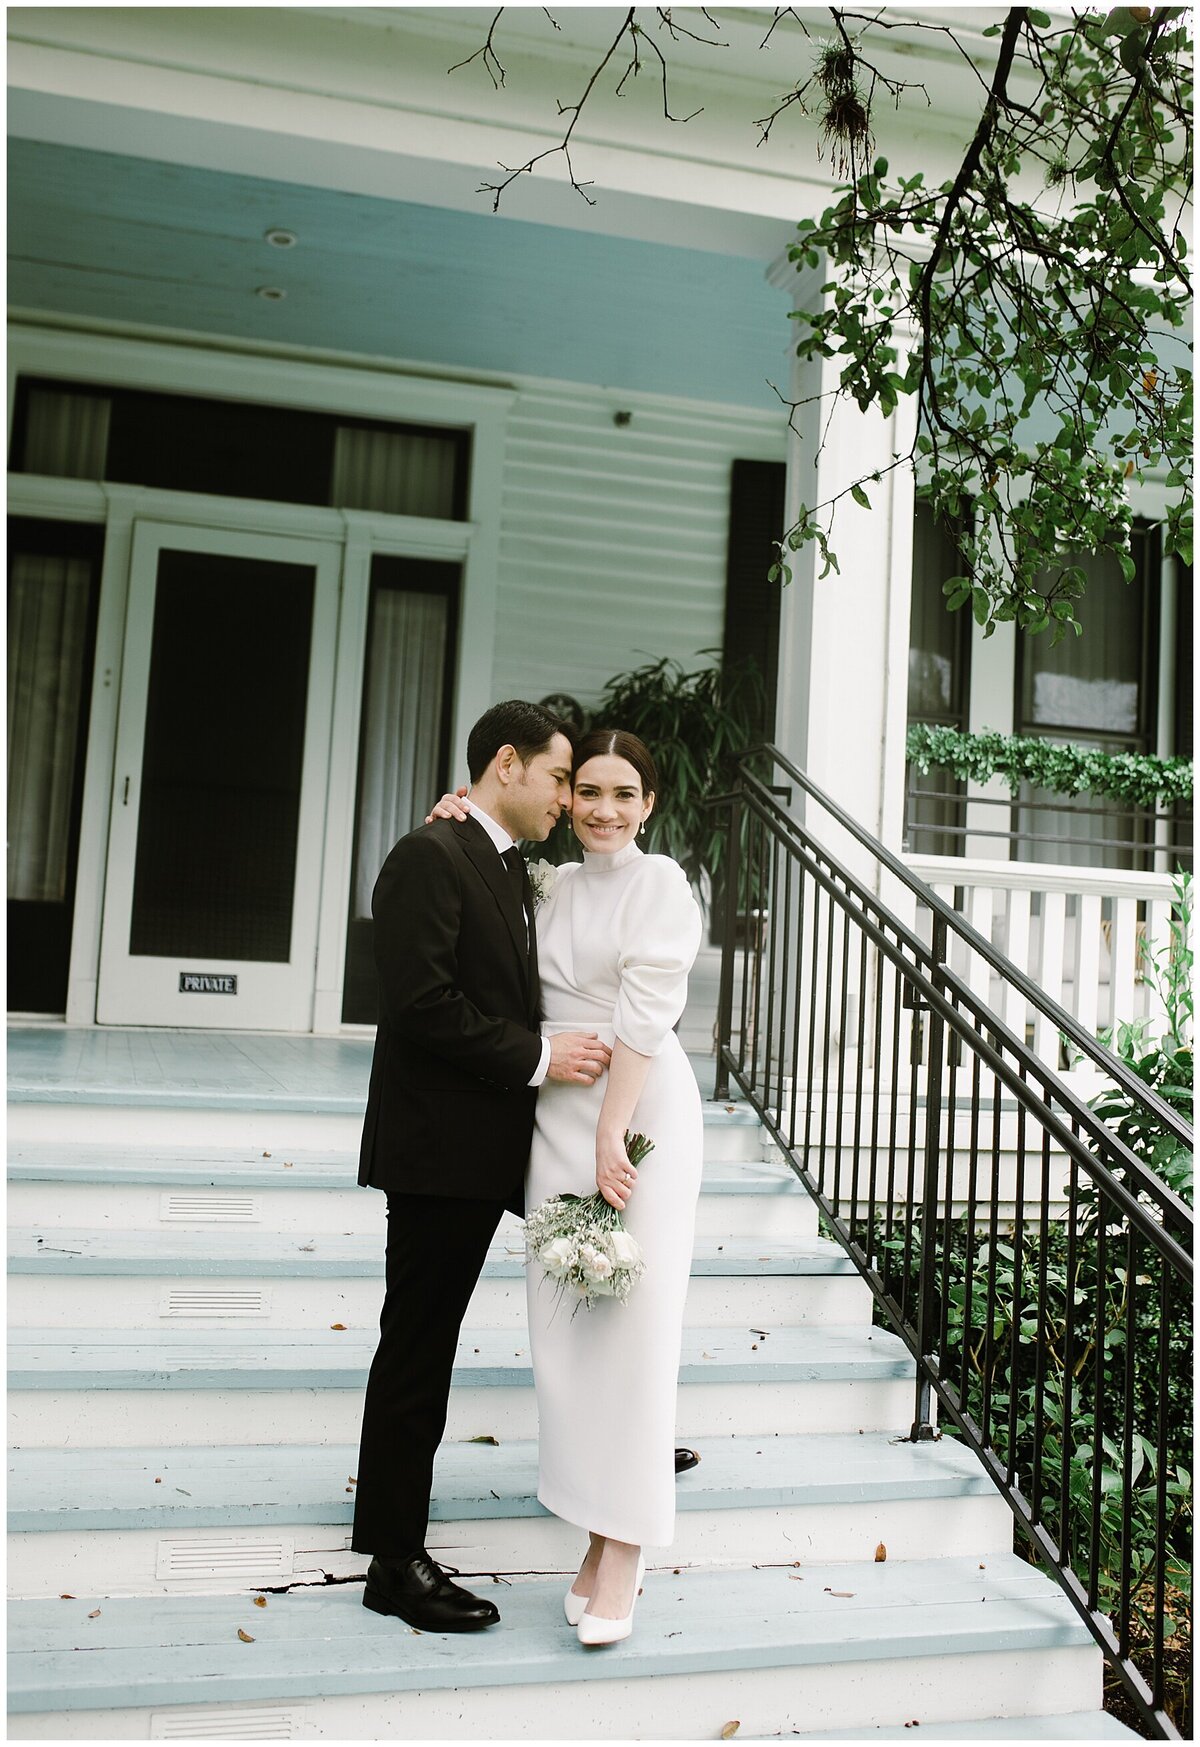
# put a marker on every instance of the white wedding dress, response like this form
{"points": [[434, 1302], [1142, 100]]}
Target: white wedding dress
{"points": [[616, 939]]}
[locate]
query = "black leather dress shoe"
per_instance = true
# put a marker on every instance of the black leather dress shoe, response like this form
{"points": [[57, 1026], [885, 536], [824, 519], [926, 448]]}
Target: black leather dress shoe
{"points": [[685, 1459], [421, 1594]]}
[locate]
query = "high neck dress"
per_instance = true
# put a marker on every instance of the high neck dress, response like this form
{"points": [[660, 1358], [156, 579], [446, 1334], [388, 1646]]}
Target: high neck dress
{"points": [[616, 939]]}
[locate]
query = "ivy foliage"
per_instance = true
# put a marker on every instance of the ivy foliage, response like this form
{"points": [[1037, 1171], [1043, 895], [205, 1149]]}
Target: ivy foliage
{"points": [[1034, 307], [1139, 778]]}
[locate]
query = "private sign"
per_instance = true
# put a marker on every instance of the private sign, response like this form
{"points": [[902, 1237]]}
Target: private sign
{"points": [[206, 983]]}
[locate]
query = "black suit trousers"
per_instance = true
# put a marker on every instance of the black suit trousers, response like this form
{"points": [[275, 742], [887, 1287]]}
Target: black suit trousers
{"points": [[436, 1247]]}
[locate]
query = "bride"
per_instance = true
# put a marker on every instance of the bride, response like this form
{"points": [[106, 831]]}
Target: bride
{"points": [[617, 935]]}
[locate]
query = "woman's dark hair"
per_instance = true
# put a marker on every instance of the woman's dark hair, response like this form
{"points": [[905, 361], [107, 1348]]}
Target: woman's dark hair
{"points": [[617, 743], [526, 727]]}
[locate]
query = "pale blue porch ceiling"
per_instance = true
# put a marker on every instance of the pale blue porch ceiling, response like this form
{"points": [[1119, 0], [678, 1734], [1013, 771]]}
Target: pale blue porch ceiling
{"points": [[99, 235]]}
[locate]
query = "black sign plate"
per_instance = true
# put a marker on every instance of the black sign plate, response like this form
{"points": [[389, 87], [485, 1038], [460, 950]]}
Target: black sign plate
{"points": [[207, 983]]}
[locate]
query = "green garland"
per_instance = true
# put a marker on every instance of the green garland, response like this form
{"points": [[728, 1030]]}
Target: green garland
{"points": [[1135, 777]]}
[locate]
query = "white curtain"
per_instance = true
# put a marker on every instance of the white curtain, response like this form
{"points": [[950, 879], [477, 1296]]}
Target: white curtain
{"points": [[1087, 691], [398, 473], [402, 727], [47, 634], [67, 434]]}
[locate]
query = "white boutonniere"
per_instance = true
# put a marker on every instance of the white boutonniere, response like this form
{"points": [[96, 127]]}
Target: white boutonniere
{"points": [[542, 878]]}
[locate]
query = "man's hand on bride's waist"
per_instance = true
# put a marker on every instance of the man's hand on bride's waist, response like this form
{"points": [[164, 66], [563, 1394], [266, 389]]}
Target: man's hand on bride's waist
{"points": [[577, 1058]]}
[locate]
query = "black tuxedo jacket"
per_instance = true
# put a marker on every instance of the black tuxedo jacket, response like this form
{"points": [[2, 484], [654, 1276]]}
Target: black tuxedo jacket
{"points": [[450, 1109]]}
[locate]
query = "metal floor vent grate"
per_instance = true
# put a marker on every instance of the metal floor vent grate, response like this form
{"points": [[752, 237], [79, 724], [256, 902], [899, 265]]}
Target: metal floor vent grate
{"points": [[210, 1724], [204, 1207], [214, 1301], [226, 1556]]}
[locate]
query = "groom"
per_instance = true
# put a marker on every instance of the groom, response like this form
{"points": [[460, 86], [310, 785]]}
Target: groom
{"points": [[458, 1059]]}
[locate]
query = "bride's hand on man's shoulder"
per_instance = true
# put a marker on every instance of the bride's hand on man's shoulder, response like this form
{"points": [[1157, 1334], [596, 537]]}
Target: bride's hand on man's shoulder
{"points": [[453, 806]]}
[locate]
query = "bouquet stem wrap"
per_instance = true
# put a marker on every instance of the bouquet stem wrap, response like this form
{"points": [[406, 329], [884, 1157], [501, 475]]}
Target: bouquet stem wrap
{"points": [[582, 1244]]}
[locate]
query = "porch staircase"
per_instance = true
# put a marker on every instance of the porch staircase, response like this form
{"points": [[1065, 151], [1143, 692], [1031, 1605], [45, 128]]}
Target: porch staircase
{"points": [[195, 1285]]}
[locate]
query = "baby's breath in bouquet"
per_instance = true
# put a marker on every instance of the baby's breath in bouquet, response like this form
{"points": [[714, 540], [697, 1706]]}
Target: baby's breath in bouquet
{"points": [[582, 1243]]}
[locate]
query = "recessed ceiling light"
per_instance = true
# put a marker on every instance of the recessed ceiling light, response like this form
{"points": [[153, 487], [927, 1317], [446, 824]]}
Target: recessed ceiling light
{"points": [[272, 293], [280, 239]]}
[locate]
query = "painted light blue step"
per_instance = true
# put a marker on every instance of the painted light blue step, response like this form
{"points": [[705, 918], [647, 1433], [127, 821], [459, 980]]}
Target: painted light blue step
{"points": [[204, 1070], [210, 1168], [211, 1255], [65, 1359], [255, 1485], [1071, 1726], [179, 1650]]}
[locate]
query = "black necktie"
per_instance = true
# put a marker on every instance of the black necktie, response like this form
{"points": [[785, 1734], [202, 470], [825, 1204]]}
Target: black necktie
{"points": [[517, 866], [518, 873]]}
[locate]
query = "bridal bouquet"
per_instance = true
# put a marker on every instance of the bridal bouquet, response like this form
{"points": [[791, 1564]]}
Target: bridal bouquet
{"points": [[582, 1244]]}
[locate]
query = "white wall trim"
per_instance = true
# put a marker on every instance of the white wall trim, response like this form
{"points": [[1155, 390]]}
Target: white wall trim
{"points": [[218, 371]]}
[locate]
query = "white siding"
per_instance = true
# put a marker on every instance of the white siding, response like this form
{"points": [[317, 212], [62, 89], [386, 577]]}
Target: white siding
{"points": [[613, 537]]}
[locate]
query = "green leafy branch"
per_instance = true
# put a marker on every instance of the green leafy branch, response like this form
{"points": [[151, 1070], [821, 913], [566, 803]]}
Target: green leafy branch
{"points": [[1039, 335]]}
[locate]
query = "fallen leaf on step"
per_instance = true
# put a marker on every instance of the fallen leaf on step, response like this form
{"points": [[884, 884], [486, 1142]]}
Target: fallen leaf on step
{"points": [[260, 1601], [266, 1155], [158, 1479], [794, 1579], [353, 1479], [287, 1164], [95, 1614], [340, 1326], [880, 1553], [730, 1730], [66, 1597], [844, 1593], [245, 1636], [760, 1332], [416, 1631], [485, 1438]]}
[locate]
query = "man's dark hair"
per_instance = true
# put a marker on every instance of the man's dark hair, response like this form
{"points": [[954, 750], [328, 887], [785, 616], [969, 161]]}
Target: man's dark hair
{"points": [[526, 727]]}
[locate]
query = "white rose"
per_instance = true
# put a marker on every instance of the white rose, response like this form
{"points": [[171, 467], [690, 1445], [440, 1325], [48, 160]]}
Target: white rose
{"points": [[558, 1257], [625, 1251], [595, 1264]]}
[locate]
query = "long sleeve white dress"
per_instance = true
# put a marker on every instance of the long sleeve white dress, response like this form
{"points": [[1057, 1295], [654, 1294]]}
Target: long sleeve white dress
{"points": [[616, 939]]}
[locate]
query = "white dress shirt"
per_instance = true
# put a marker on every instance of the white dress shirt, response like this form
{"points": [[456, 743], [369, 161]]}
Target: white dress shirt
{"points": [[503, 841]]}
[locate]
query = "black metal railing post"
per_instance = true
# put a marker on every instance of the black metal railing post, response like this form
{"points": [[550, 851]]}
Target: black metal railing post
{"points": [[923, 1429], [725, 995]]}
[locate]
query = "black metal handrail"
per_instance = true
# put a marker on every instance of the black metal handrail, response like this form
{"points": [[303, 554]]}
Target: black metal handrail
{"points": [[1034, 1265]]}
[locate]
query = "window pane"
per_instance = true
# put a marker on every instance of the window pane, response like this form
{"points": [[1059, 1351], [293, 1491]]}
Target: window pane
{"points": [[400, 473], [241, 449], [66, 435], [224, 750], [404, 742], [939, 658], [1093, 681], [49, 598], [938, 643]]}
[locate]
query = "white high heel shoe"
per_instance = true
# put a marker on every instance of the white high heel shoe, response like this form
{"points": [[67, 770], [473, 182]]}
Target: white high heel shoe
{"points": [[594, 1630]]}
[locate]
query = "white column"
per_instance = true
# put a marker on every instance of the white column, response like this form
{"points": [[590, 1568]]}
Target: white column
{"points": [[843, 658]]}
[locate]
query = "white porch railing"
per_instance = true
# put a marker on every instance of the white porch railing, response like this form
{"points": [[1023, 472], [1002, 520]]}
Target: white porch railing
{"points": [[1081, 934]]}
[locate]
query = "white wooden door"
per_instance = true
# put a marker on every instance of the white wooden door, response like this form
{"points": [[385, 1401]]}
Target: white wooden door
{"points": [[215, 848]]}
